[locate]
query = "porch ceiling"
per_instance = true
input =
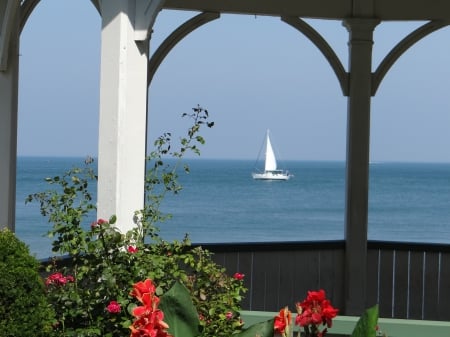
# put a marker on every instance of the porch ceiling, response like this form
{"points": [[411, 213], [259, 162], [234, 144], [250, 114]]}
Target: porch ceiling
{"points": [[385, 10]]}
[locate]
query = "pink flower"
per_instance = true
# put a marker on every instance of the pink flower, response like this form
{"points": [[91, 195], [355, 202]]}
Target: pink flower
{"points": [[238, 276], [97, 223], [70, 278], [132, 249], [113, 307], [229, 315], [58, 279]]}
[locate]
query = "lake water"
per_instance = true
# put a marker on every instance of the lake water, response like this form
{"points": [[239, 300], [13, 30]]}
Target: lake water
{"points": [[220, 202]]}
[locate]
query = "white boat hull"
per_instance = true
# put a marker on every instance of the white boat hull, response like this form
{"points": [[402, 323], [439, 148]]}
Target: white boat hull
{"points": [[269, 175]]}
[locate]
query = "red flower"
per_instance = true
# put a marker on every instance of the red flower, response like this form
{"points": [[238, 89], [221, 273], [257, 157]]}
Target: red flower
{"points": [[314, 311], [113, 307], [282, 322], [142, 287], [58, 279], [99, 222], [149, 320], [229, 315], [132, 249], [238, 276]]}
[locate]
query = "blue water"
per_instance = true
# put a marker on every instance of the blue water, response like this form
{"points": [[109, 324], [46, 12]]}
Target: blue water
{"points": [[220, 202]]}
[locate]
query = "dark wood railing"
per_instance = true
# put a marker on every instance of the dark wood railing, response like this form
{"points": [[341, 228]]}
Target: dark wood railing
{"points": [[407, 280]]}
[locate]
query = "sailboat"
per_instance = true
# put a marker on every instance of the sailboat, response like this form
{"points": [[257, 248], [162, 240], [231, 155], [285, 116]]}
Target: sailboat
{"points": [[270, 165]]}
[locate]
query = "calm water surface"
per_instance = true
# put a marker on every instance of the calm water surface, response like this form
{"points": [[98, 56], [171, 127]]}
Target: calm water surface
{"points": [[220, 202]]}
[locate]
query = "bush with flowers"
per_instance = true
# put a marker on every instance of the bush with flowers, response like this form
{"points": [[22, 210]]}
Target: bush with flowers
{"points": [[137, 284], [175, 315], [90, 287], [315, 316]]}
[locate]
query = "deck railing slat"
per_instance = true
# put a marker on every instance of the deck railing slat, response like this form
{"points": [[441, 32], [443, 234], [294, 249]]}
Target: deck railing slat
{"points": [[431, 296], [332, 274], [401, 286], [386, 283], [373, 264], [444, 288], [287, 283], [264, 280], [416, 279]]}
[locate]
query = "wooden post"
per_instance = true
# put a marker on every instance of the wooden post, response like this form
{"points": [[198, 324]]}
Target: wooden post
{"points": [[126, 27], [357, 170], [9, 74]]}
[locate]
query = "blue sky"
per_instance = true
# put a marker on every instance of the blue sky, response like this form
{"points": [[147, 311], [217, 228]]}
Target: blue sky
{"points": [[251, 73]]}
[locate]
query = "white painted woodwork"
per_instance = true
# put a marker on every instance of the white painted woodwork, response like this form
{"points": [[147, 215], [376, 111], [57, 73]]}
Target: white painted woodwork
{"points": [[123, 115], [146, 12]]}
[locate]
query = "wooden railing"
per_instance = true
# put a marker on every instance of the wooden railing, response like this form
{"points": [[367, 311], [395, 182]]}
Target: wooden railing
{"points": [[408, 281]]}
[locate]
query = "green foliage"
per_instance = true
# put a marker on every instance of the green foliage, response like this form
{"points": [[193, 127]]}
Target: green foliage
{"points": [[161, 178], [367, 323], [105, 263], [24, 310], [67, 208], [262, 329], [179, 312], [216, 296]]}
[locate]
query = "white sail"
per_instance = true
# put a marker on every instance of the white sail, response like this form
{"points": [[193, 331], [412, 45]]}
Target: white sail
{"points": [[271, 172], [271, 162]]}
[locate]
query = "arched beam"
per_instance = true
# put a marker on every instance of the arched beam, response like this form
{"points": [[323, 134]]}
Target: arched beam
{"points": [[324, 47], [402, 47], [8, 19], [174, 38], [145, 16], [26, 8], [96, 4]]}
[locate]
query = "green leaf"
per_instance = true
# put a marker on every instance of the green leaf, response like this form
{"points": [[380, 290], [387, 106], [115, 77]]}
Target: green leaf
{"points": [[262, 329], [179, 312], [367, 323]]}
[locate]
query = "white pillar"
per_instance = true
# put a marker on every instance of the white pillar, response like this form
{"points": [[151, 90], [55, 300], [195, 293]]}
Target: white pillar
{"points": [[123, 115], [9, 73]]}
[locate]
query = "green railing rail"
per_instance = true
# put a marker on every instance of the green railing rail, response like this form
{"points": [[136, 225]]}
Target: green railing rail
{"points": [[343, 325]]}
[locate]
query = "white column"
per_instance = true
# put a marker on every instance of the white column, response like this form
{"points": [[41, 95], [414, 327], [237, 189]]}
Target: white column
{"points": [[123, 115], [9, 73]]}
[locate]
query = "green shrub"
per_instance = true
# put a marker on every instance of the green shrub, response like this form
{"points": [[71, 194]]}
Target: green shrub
{"points": [[91, 294], [24, 310]]}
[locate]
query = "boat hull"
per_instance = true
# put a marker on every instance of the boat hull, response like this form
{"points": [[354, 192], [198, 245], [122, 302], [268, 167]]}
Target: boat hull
{"points": [[272, 176]]}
